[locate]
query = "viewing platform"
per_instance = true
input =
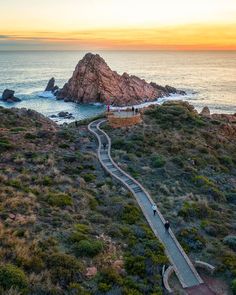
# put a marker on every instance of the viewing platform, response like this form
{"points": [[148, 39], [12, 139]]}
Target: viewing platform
{"points": [[123, 118]]}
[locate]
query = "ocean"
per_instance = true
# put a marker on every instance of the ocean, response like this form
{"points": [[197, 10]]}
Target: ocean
{"points": [[209, 78]]}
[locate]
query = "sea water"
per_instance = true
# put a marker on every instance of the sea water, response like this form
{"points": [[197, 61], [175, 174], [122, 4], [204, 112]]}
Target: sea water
{"points": [[208, 77]]}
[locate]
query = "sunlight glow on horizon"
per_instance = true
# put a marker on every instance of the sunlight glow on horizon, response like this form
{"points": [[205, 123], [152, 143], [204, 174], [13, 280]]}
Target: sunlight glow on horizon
{"points": [[123, 24]]}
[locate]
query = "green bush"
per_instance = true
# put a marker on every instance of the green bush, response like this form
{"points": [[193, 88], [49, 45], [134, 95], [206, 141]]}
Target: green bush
{"points": [[104, 287], [5, 145], [59, 199], [135, 265], [131, 214], [80, 233], [175, 115], [158, 161], [233, 286], [30, 136], [64, 268], [230, 241], [226, 160], [47, 181], [191, 239], [89, 177], [89, 248], [13, 277]]}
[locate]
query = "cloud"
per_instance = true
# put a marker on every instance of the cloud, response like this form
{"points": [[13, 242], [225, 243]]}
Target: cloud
{"points": [[195, 36]]}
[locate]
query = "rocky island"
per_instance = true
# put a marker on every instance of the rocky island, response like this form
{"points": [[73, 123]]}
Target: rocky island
{"points": [[94, 81]]}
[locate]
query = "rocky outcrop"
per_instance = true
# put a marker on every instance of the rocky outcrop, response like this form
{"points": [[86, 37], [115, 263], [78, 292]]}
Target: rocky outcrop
{"points": [[65, 115], [205, 112], [224, 117], [8, 96], [51, 86], [94, 81]]}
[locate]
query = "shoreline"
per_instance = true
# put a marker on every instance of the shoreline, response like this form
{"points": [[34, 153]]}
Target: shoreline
{"points": [[49, 98]]}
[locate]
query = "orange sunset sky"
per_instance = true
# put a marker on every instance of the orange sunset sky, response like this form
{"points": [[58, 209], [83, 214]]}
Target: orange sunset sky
{"points": [[118, 24]]}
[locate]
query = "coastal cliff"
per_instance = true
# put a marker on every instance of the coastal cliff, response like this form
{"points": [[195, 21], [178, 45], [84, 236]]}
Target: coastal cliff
{"points": [[94, 81]]}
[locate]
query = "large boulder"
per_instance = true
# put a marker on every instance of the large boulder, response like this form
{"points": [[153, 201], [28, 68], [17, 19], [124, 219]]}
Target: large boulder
{"points": [[8, 96], [94, 81]]}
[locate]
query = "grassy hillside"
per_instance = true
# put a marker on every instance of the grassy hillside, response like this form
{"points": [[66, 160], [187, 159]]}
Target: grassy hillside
{"points": [[188, 164], [65, 227]]}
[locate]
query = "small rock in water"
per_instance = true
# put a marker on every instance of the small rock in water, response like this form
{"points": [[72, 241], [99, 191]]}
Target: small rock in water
{"points": [[65, 115], [8, 96]]}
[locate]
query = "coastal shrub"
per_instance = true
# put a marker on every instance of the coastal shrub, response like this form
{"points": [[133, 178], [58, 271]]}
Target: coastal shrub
{"points": [[158, 161], [63, 146], [30, 136], [47, 180], [89, 177], [104, 287], [13, 277], [89, 248], [131, 214], [132, 171], [65, 134], [226, 160], [191, 239], [230, 241], [80, 233], [59, 199], [135, 265], [201, 180], [118, 144], [228, 259], [64, 268], [70, 158], [5, 145], [172, 115], [110, 276], [191, 210], [231, 197], [233, 286]]}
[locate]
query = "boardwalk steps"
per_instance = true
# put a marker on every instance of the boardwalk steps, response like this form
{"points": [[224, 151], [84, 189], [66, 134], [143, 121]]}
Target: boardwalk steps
{"points": [[182, 265]]}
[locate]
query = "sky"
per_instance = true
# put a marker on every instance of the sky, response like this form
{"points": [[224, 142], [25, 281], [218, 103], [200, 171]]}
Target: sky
{"points": [[117, 24]]}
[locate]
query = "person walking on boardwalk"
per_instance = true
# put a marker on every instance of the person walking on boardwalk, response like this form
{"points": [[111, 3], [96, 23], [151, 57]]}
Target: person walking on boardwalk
{"points": [[154, 209], [104, 145], [167, 225], [133, 109]]}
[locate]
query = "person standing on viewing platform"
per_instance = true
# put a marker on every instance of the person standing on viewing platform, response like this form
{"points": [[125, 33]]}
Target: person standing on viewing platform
{"points": [[108, 108], [133, 109], [154, 209]]}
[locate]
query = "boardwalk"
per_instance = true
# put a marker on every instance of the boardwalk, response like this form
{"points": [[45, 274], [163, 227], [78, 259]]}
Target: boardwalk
{"points": [[183, 267]]}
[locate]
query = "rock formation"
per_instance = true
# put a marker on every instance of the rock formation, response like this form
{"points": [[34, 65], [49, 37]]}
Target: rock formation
{"points": [[51, 86], [205, 112], [94, 81], [8, 96]]}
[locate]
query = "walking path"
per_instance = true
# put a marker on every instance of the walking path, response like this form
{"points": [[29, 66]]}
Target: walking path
{"points": [[183, 267]]}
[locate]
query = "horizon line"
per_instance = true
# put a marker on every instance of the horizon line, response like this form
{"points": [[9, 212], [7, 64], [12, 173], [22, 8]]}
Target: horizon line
{"points": [[141, 50]]}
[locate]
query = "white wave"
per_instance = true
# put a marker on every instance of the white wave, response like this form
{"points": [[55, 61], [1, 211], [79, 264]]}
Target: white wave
{"points": [[97, 104], [156, 102], [46, 94]]}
